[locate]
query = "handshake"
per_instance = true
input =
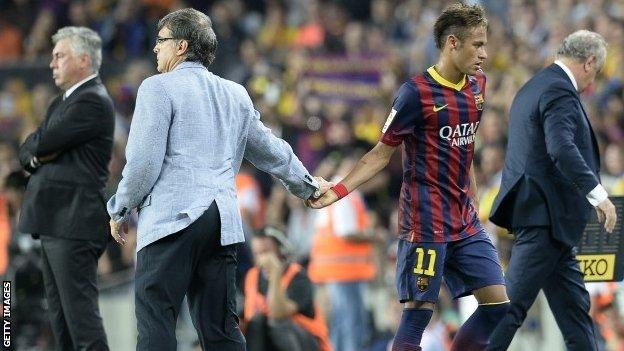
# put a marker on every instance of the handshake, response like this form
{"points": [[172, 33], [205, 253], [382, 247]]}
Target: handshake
{"points": [[324, 196]]}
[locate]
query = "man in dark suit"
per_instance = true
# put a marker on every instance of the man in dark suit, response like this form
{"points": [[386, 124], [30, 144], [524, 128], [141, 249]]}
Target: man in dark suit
{"points": [[64, 204], [550, 184]]}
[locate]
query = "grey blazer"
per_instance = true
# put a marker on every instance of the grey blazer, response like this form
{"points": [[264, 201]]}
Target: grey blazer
{"points": [[190, 131]]}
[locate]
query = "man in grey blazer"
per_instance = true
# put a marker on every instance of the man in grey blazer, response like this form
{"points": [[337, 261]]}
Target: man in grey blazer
{"points": [[189, 134]]}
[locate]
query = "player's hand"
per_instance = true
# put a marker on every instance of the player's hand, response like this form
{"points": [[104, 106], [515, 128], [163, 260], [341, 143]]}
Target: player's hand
{"points": [[118, 232], [606, 213], [327, 199], [324, 186]]}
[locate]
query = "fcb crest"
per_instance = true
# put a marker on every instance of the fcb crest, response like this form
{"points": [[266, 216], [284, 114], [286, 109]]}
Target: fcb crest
{"points": [[479, 101], [422, 282]]}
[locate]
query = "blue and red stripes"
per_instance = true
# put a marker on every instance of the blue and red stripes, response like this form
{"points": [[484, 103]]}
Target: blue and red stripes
{"points": [[434, 204]]}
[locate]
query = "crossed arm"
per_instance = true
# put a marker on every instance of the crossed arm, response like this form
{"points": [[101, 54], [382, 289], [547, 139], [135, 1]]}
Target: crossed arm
{"points": [[80, 122]]}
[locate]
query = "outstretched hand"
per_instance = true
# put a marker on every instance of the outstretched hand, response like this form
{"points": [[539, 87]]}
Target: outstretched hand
{"points": [[327, 199], [324, 187]]}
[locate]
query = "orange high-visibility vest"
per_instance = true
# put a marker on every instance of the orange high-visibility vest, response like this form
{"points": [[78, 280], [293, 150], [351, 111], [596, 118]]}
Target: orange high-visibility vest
{"points": [[255, 302], [335, 259], [246, 182], [599, 302]]}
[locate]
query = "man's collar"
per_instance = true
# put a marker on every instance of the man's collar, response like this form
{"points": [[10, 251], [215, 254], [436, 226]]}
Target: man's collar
{"points": [[568, 72], [188, 64], [75, 86]]}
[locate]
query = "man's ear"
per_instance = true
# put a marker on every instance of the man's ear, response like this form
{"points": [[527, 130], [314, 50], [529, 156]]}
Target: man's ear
{"points": [[590, 63], [85, 61], [452, 41], [182, 47]]}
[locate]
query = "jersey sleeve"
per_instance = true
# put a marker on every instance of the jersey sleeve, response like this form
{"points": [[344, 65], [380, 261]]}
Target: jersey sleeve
{"points": [[404, 116]]}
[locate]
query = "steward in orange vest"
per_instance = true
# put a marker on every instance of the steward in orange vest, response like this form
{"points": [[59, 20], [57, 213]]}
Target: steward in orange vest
{"points": [[342, 259], [279, 309], [340, 253]]}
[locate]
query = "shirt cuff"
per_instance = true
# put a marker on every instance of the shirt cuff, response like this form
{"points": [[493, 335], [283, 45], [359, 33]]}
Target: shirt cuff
{"points": [[122, 216], [34, 162], [116, 215], [311, 181], [597, 195]]}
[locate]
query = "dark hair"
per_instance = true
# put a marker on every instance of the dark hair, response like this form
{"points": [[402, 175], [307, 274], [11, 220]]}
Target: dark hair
{"points": [[278, 236], [196, 28], [457, 19]]}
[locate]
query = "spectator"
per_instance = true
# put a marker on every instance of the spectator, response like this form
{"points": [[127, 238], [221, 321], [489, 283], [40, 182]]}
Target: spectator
{"points": [[279, 309]]}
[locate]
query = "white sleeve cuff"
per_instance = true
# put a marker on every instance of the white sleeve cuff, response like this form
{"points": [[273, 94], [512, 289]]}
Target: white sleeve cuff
{"points": [[316, 193], [598, 195], [34, 162]]}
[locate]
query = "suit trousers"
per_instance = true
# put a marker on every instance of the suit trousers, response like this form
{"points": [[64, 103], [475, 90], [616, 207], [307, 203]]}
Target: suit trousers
{"points": [[190, 262], [540, 262], [70, 278]]}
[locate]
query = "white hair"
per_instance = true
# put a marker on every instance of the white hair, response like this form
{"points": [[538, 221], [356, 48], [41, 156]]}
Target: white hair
{"points": [[582, 44], [83, 41]]}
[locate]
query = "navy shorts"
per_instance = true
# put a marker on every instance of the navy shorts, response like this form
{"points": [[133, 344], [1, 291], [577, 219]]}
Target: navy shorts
{"points": [[466, 265]]}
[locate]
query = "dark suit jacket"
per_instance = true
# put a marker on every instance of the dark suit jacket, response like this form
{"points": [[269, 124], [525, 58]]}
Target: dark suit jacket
{"points": [[552, 160], [65, 197]]}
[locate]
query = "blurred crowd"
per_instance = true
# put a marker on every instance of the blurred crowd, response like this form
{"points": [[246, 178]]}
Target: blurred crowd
{"points": [[322, 74]]}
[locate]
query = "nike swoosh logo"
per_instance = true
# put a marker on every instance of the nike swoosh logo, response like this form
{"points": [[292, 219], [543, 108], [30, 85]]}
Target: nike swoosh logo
{"points": [[436, 108]]}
